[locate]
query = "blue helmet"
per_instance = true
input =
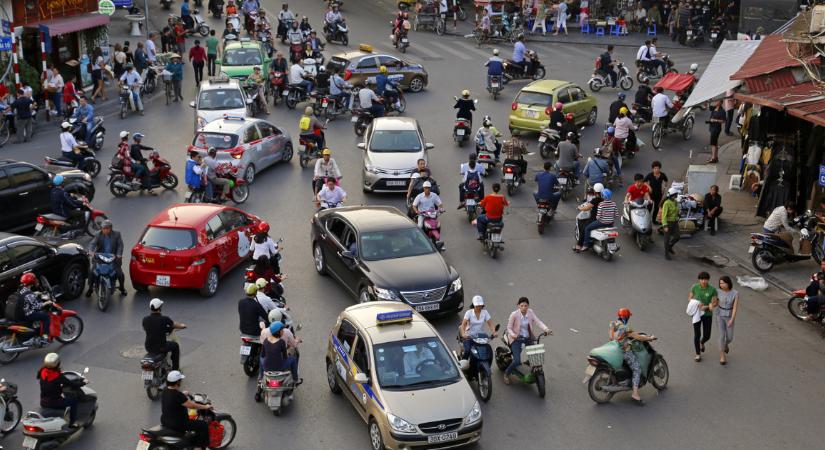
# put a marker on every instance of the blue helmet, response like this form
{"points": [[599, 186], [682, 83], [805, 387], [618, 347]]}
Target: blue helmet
{"points": [[606, 194], [276, 327], [57, 180], [611, 130], [621, 95]]}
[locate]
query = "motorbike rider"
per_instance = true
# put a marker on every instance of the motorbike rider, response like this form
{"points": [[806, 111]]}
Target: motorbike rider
{"points": [[493, 206], [263, 245], [195, 173], [186, 15], [311, 128], [470, 171], [339, 89], [416, 185], [231, 8], [473, 324], [514, 151], [175, 406], [274, 356], [294, 36], [250, 312], [33, 305], [616, 106], [613, 147], [140, 163], [646, 57], [257, 79], [569, 126], [52, 382], [557, 116], [606, 213], [625, 130], [642, 99], [157, 328], [487, 137], [426, 201], [387, 88], [212, 177], [330, 194], [596, 167], [64, 205], [547, 184], [85, 114], [279, 63], [325, 168], [465, 106], [660, 105], [622, 334], [280, 315], [261, 284], [778, 221], [230, 31], [263, 21], [285, 19], [495, 67], [298, 76], [331, 18], [522, 327], [322, 81], [70, 149], [569, 157], [131, 79], [519, 54], [369, 100], [606, 64], [106, 241], [815, 293], [315, 42]]}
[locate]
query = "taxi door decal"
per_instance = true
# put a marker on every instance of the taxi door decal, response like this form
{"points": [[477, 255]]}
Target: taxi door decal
{"points": [[243, 244]]}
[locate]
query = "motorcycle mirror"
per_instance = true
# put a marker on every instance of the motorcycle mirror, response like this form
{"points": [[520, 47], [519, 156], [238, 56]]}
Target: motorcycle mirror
{"points": [[464, 364], [192, 104], [249, 101], [429, 146], [456, 98], [362, 145], [299, 327]]}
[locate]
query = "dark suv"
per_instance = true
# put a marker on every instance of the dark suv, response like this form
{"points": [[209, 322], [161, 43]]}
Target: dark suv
{"points": [[25, 188], [66, 266]]}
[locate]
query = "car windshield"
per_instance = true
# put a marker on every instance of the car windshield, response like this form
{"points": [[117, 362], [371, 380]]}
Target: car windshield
{"points": [[220, 99], [242, 57], [414, 363], [395, 141], [168, 238], [391, 244], [218, 140], [534, 98]]}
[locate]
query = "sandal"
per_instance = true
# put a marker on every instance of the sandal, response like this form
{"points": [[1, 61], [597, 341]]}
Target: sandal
{"points": [[638, 402], [506, 379]]}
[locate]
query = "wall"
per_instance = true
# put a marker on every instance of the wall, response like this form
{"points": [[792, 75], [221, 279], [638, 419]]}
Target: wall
{"points": [[769, 14]]}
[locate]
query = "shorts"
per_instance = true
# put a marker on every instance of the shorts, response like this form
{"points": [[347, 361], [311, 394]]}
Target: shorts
{"points": [[714, 137], [97, 75]]}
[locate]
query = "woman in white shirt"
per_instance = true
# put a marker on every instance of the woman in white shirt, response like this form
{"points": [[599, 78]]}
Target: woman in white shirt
{"points": [[473, 324], [263, 245]]}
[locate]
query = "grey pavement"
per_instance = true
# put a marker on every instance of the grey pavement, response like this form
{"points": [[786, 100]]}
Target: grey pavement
{"points": [[767, 397]]}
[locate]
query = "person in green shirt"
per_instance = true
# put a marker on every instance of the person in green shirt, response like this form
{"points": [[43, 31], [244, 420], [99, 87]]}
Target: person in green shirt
{"points": [[706, 294], [670, 221], [212, 52]]}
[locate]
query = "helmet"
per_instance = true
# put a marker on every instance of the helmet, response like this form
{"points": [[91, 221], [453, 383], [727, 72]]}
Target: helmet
{"points": [[57, 180], [465, 93], [370, 81], [263, 227], [275, 316], [495, 51], [129, 66], [487, 123], [155, 304], [606, 194], [694, 67], [623, 110], [531, 54], [51, 360], [106, 224], [322, 69], [611, 130], [308, 111], [124, 134], [427, 184], [624, 313], [672, 191], [66, 125], [137, 136], [261, 283], [559, 106], [251, 289], [174, 376], [326, 152], [570, 135], [382, 69], [478, 300], [569, 116], [212, 151], [276, 327], [28, 279], [621, 96], [598, 187], [597, 151]]}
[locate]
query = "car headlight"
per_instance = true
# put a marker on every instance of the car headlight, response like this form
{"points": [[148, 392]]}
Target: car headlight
{"points": [[455, 286], [371, 169], [474, 415], [87, 177], [402, 426], [201, 122], [386, 294]]}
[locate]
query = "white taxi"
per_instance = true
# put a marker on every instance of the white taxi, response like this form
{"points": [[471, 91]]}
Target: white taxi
{"points": [[219, 97]]}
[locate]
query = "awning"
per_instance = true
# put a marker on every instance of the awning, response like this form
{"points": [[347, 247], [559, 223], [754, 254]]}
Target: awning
{"points": [[771, 56], [715, 79], [71, 24], [785, 97]]}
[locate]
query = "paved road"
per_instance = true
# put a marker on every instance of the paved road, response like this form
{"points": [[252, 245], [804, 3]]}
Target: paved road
{"points": [[764, 398]]}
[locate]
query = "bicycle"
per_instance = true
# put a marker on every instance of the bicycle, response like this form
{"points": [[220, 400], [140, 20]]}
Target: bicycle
{"points": [[5, 133]]}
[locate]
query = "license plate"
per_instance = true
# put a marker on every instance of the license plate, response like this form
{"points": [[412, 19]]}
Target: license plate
{"points": [[148, 375], [285, 93], [187, 195], [29, 442], [495, 84], [470, 202], [246, 350], [396, 183], [162, 280], [531, 114], [404, 40], [751, 250], [460, 132], [495, 237], [612, 246], [142, 445], [38, 227], [689, 33], [508, 176], [562, 180], [354, 119], [542, 138], [713, 35], [433, 307], [442, 437], [590, 370]]}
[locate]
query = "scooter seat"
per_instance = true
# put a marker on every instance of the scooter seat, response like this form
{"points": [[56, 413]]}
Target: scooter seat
{"points": [[160, 430], [249, 336], [52, 412], [155, 357], [53, 217]]}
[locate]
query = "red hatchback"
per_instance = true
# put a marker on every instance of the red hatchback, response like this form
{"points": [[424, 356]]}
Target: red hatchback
{"points": [[190, 246]]}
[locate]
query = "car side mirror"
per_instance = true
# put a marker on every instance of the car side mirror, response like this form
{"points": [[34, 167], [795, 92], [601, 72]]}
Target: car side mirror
{"points": [[362, 145], [249, 101], [192, 104], [346, 254], [361, 378], [429, 146]]}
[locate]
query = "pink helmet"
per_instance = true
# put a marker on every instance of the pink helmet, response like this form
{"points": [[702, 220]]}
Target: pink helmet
{"points": [[559, 106]]}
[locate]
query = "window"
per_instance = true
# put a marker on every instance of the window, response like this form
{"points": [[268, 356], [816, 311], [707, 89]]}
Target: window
{"points": [[24, 254], [251, 134], [232, 219], [217, 140], [359, 356], [564, 96], [215, 228], [576, 94], [169, 238], [217, 99], [367, 63], [389, 62], [267, 130], [534, 99], [5, 260], [389, 244], [350, 242], [23, 175], [5, 183], [346, 335], [395, 141], [423, 362], [242, 57], [338, 228]]}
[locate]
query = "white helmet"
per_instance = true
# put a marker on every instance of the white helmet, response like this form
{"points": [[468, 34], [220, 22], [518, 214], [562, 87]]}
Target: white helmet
{"points": [[478, 300], [597, 151], [155, 304], [672, 191], [598, 187], [261, 283], [275, 316], [495, 51], [427, 184], [66, 125], [694, 67], [174, 376], [124, 134], [51, 360]]}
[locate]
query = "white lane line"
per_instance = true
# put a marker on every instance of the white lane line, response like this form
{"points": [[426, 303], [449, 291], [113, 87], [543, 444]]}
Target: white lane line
{"points": [[452, 51], [484, 52]]}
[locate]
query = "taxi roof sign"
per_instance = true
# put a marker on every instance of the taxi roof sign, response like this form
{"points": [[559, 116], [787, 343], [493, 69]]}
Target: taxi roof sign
{"points": [[394, 317], [366, 48]]}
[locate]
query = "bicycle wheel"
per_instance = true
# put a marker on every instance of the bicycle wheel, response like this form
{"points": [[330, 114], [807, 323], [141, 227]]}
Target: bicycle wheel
{"points": [[4, 133]]}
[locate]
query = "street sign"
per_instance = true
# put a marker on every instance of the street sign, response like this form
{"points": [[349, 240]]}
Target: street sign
{"points": [[822, 175], [5, 44], [106, 7], [6, 27]]}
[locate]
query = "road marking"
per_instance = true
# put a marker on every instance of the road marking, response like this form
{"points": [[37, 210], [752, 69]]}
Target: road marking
{"points": [[454, 52], [485, 53], [574, 330], [422, 49]]}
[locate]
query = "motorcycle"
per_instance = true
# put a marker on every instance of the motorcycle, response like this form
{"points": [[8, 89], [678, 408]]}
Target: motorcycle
{"points": [[798, 306], [277, 390], [55, 226], [607, 373], [495, 86], [402, 41], [222, 430], [461, 131], [767, 249], [545, 214], [637, 216], [651, 72], [49, 428], [295, 94], [255, 103], [166, 4], [216, 8], [127, 101], [512, 177], [361, 119], [695, 33], [308, 151], [429, 223], [90, 163], [65, 326], [528, 372], [472, 194], [514, 72], [338, 31], [238, 192], [161, 175], [154, 368], [603, 240], [277, 86], [479, 365], [98, 132], [10, 408], [492, 240], [600, 79], [641, 114], [567, 181], [250, 354], [149, 80], [549, 139], [329, 106], [106, 276], [198, 24]]}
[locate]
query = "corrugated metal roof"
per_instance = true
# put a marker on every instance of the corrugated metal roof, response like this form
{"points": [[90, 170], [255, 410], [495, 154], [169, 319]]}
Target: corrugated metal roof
{"points": [[715, 79], [771, 81], [784, 97], [770, 56]]}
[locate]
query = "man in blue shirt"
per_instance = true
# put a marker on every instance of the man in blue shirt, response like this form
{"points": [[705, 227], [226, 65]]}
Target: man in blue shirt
{"points": [[606, 64], [64, 204], [186, 15], [547, 184], [495, 67], [85, 113], [519, 51]]}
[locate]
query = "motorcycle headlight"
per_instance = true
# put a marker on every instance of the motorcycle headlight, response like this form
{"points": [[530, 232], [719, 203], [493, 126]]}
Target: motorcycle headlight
{"points": [[455, 286], [474, 415], [386, 294], [400, 425]]}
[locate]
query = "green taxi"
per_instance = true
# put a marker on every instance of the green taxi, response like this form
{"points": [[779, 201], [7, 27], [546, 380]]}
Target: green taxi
{"points": [[532, 106], [240, 57]]}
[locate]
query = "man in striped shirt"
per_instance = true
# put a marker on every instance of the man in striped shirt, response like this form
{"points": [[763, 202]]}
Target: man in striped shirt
{"points": [[605, 216]]}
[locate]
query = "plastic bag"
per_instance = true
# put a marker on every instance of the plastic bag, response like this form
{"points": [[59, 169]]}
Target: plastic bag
{"points": [[755, 283]]}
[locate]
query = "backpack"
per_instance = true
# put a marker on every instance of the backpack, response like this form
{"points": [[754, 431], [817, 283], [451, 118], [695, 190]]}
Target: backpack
{"points": [[14, 307], [598, 63]]}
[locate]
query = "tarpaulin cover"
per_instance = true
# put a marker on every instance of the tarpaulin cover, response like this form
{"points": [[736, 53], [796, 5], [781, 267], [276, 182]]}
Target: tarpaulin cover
{"points": [[676, 82]]}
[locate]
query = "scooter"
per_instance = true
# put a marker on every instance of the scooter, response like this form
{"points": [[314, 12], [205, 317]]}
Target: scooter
{"points": [[277, 390], [513, 72], [607, 373], [567, 181], [308, 151], [338, 31], [55, 226], [637, 216], [603, 240], [90, 163], [478, 367], [254, 102], [198, 24], [402, 42], [65, 326], [106, 273], [495, 86], [798, 305], [250, 354], [528, 372], [238, 192], [154, 367], [277, 86], [10, 408], [428, 222], [295, 94], [545, 214], [461, 131], [549, 139], [361, 119], [127, 101], [600, 79], [492, 242], [512, 177], [472, 194], [160, 176], [767, 249], [50, 428], [651, 72], [98, 132], [222, 430]]}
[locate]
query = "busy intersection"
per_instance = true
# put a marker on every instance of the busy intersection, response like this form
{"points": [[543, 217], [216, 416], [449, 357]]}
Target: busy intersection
{"points": [[765, 396]]}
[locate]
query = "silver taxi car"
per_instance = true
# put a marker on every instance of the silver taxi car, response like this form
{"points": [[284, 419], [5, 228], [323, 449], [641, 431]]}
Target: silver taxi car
{"points": [[219, 97]]}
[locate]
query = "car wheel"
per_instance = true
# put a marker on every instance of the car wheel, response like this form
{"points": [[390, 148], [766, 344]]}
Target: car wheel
{"points": [[364, 296], [318, 257], [210, 286], [417, 84], [288, 152], [332, 379], [74, 278], [376, 441], [592, 116], [249, 173]]}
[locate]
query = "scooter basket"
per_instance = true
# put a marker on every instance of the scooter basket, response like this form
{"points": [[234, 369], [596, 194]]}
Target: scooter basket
{"points": [[535, 354]]}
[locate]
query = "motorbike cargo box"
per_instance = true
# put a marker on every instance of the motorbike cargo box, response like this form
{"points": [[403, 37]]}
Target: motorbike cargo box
{"points": [[611, 353], [14, 308]]}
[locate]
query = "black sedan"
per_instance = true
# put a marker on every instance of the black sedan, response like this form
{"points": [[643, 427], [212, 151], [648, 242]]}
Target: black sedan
{"points": [[377, 253], [66, 266]]}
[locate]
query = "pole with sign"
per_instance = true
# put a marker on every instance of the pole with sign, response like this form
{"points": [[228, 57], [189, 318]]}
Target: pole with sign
{"points": [[106, 7]]}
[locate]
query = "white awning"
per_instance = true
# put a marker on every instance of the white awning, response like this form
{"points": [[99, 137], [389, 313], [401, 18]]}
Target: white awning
{"points": [[715, 79]]}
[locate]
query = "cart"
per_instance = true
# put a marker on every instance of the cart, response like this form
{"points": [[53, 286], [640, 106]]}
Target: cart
{"points": [[503, 27], [408, 5], [428, 17], [680, 120]]}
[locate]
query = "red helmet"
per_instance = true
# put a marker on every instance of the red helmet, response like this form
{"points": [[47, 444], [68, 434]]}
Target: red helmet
{"points": [[263, 227], [624, 313], [28, 279], [559, 106], [569, 116]]}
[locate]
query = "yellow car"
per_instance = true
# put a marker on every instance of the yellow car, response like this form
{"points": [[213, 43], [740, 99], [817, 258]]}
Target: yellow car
{"points": [[398, 374], [532, 106]]}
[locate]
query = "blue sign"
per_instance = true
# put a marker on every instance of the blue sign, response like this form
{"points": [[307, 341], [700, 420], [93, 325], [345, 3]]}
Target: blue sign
{"points": [[45, 30], [5, 44], [6, 27], [394, 317], [123, 3], [822, 175]]}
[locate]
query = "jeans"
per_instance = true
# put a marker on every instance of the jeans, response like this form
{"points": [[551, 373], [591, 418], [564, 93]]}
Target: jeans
{"points": [[25, 128], [198, 66], [77, 159], [553, 200], [662, 64], [70, 403], [141, 173], [210, 64], [516, 348], [89, 127], [589, 228], [136, 99], [377, 110], [306, 84], [617, 163], [483, 220], [43, 317], [201, 429], [701, 333], [467, 344], [575, 170], [56, 98], [223, 183]]}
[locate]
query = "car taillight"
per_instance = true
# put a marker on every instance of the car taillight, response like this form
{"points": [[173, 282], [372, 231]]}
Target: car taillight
{"points": [[514, 106], [145, 438], [41, 219], [347, 75], [32, 429], [236, 152], [508, 169], [548, 110], [273, 383]]}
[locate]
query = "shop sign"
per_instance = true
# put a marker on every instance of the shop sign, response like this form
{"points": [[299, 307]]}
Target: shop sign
{"points": [[5, 44], [6, 27], [106, 7], [822, 175]]}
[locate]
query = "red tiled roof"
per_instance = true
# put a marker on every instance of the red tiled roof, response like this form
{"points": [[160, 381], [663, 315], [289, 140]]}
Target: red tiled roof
{"points": [[770, 56], [784, 97]]}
